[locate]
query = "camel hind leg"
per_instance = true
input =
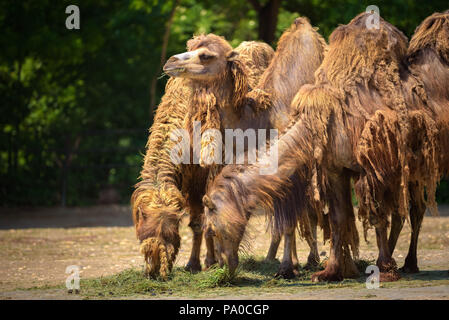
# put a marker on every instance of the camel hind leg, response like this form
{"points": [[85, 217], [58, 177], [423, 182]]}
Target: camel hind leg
{"points": [[313, 260], [286, 269], [295, 260], [275, 240], [274, 245], [397, 222], [342, 226]]}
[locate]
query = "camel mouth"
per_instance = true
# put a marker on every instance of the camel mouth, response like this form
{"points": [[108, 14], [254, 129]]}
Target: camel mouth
{"points": [[174, 71], [177, 70], [232, 261]]}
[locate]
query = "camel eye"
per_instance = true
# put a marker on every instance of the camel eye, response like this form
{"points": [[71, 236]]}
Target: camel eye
{"points": [[206, 57]]}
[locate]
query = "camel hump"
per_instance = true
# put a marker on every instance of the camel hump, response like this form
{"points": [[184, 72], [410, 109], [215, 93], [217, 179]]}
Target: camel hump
{"points": [[256, 56], [301, 21], [432, 33]]}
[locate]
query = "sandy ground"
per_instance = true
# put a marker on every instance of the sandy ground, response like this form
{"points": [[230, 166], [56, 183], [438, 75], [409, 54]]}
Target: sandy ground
{"points": [[37, 245]]}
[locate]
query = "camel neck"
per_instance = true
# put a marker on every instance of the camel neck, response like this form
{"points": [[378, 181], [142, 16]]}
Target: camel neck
{"points": [[221, 89]]}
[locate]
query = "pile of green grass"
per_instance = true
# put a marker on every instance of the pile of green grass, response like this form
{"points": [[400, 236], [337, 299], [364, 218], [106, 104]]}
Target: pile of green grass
{"points": [[133, 281], [251, 273]]}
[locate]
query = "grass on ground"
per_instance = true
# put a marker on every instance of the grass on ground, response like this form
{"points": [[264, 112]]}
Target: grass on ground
{"points": [[253, 272]]}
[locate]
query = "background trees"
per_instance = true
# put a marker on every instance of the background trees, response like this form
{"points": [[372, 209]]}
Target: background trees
{"points": [[76, 104]]}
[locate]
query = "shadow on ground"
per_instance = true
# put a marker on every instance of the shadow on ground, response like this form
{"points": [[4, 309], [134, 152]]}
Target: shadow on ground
{"points": [[58, 217]]}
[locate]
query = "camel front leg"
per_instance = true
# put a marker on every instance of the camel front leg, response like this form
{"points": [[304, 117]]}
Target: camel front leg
{"points": [[342, 226], [385, 262], [417, 211], [210, 253], [195, 224], [286, 269]]}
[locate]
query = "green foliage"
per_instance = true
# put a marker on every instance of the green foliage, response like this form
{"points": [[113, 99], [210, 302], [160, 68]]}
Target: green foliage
{"points": [[132, 281], [76, 103], [443, 192], [252, 272]]}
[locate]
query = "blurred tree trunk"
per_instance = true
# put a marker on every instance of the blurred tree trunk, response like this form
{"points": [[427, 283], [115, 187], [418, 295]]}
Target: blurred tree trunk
{"points": [[64, 164], [267, 15], [163, 56]]}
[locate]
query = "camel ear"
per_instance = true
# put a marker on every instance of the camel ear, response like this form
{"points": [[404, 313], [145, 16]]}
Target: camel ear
{"points": [[258, 99], [137, 216], [239, 77], [208, 202], [232, 56]]}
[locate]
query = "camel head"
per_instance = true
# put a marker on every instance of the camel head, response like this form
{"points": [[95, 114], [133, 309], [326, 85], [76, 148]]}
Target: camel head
{"points": [[226, 217], [157, 231], [208, 58]]}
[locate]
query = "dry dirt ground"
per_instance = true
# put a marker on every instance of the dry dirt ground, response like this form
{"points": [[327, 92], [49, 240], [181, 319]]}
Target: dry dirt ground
{"points": [[36, 246]]}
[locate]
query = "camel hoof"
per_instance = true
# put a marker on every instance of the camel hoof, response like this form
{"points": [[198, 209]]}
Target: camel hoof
{"points": [[312, 264], [286, 271], [388, 271], [269, 259], [209, 263], [409, 269], [193, 267], [326, 275], [296, 271], [311, 267], [390, 276]]}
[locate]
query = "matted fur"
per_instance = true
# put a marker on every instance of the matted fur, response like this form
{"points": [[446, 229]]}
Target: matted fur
{"points": [[257, 56], [167, 191], [426, 89], [429, 50]]}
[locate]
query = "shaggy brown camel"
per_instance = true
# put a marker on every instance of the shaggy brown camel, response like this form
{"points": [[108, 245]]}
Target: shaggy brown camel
{"points": [[167, 191], [428, 62], [353, 123], [300, 52], [292, 67]]}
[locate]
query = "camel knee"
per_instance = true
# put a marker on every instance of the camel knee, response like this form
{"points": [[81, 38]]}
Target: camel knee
{"points": [[196, 226]]}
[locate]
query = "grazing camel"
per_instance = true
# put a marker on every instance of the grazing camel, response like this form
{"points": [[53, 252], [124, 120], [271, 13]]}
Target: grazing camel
{"points": [[428, 62], [300, 52], [352, 123], [168, 190]]}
